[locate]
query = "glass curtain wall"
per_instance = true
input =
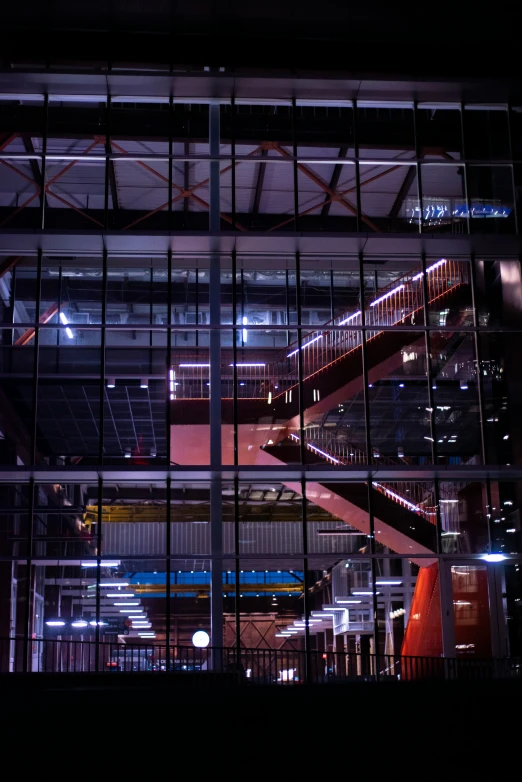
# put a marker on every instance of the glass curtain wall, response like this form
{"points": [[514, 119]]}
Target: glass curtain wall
{"points": [[128, 377]]}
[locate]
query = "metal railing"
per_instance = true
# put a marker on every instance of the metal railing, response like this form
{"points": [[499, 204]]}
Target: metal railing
{"points": [[416, 500], [284, 666], [395, 304]]}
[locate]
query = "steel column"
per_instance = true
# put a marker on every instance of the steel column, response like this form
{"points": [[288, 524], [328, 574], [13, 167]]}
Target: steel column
{"points": [[216, 525]]}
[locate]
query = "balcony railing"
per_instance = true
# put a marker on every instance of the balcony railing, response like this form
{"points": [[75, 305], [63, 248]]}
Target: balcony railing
{"points": [[284, 666]]}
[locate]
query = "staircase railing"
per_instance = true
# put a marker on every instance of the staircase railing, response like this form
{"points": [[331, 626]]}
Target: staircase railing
{"points": [[409, 494], [395, 304]]}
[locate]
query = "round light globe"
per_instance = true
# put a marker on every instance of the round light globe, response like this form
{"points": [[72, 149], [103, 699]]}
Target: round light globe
{"points": [[201, 639]]}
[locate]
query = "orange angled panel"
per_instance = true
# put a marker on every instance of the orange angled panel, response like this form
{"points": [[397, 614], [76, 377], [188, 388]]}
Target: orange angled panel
{"points": [[423, 636]]}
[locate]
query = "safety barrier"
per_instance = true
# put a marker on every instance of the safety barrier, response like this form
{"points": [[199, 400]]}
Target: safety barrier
{"points": [[284, 666]]}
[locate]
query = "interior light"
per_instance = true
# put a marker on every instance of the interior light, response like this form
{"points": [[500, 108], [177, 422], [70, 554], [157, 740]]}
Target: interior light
{"points": [[144, 382], [200, 639], [350, 318], [311, 342], [463, 385], [94, 623], [245, 332], [103, 563], [120, 594], [386, 295], [65, 322], [55, 623], [111, 382], [79, 623], [493, 557], [127, 453], [115, 584], [129, 603]]}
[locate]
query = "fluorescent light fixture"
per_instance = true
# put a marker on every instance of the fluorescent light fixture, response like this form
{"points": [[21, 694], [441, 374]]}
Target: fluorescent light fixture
{"points": [[144, 382], [130, 603], [365, 592], [55, 623], [171, 375], [245, 332], [494, 557], [65, 322], [187, 366], [452, 502], [79, 623], [111, 382], [147, 635], [463, 385], [130, 611], [347, 602], [305, 345], [347, 320], [248, 365], [430, 269], [120, 594], [103, 563], [386, 295], [387, 583], [113, 584], [94, 623]]}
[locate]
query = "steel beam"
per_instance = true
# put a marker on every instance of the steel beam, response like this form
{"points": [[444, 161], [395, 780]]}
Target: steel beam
{"points": [[334, 181], [259, 184]]}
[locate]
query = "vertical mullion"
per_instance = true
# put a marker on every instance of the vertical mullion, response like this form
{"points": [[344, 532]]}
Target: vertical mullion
{"points": [[108, 150], [29, 568], [371, 522], [45, 121], [233, 153], [167, 569], [287, 289], [418, 167], [480, 392], [170, 174], [357, 167], [465, 167], [36, 356], [237, 565], [102, 358], [306, 597], [431, 401], [169, 445], [98, 574], [300, 359], [294, 146], [234, 358]]}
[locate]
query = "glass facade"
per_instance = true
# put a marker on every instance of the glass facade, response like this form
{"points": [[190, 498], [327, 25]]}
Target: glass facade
{"points": [[299, 449]]}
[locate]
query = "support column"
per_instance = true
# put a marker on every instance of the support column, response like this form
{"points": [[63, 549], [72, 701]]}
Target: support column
{"points": [[446, 609], [496, 587], [216, 526]]}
